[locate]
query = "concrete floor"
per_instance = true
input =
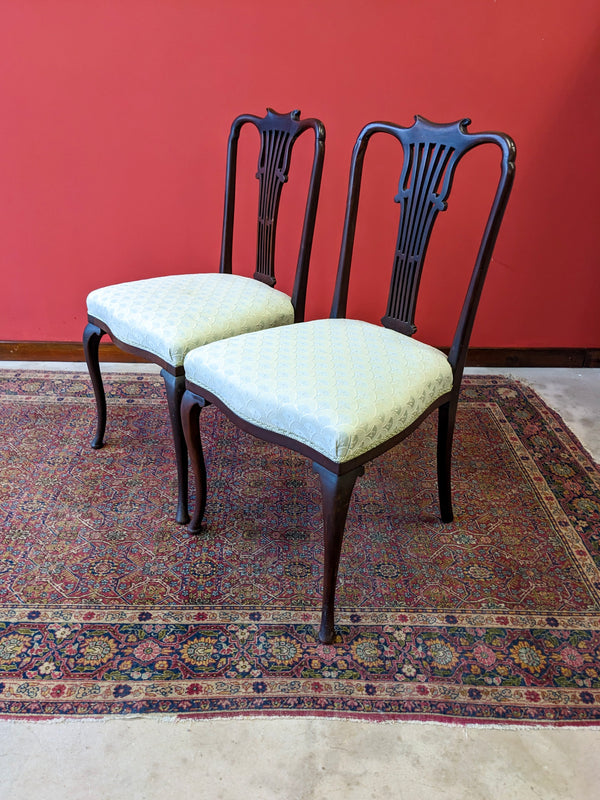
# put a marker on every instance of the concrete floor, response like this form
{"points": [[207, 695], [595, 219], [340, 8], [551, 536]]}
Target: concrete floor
{"points": [[308, 759]]}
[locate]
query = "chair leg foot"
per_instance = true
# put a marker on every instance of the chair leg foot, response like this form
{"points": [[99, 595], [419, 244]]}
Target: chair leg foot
{"points": [[327, 629], [91, 341], [193, 530], [191, 406], [175, 386], [446, 419], [337, 492], [182, 516]]}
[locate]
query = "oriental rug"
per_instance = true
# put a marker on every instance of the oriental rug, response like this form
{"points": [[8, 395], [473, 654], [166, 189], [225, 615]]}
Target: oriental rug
{"points": [[107, 606]]}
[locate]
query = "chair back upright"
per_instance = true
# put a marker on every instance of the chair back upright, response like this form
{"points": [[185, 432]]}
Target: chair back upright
{"points": [[278, 134], [431, 153]]}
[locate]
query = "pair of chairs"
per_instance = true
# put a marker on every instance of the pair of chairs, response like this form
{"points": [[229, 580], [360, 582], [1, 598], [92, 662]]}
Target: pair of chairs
{"points": [[339, 391]]}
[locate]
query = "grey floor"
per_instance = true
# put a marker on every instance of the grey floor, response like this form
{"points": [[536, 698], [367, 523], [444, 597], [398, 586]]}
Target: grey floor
{"points": [[304, 759]]}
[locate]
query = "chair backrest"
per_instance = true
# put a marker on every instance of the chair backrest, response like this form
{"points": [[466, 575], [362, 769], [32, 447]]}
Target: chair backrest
{"points": [[278, 133], [431, 154]]}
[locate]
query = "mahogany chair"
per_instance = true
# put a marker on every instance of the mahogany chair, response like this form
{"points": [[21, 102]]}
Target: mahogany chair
{"points": [[163, 318], [343, 391]]}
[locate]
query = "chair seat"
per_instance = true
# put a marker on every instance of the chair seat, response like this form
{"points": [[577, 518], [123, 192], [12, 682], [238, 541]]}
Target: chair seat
{"points": [[171, 315], [340, 386]]}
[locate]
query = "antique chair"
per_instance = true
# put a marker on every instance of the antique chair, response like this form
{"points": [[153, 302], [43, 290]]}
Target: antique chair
{"points": [[343, 391], [163, 318]]}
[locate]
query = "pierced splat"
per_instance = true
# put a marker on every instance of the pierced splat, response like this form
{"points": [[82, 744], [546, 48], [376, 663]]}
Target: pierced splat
{"points": [[273, 170], [423, 190]]}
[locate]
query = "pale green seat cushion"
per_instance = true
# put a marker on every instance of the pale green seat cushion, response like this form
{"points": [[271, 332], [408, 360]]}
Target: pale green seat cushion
{"points": [[171, 315], [339, 386]]}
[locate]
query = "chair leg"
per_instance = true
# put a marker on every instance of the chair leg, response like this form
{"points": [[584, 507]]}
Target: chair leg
{"points": [[91, 340], [446, 420], [175, 386], [337, 491], [191, 406]]}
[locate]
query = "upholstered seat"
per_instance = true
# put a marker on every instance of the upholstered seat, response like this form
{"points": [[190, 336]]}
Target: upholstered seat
{"points": [[339, 386], [171, 315], [162, 318]]}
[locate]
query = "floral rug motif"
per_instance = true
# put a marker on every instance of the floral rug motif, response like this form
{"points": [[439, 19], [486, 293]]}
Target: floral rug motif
{"points": [[107, 606]]}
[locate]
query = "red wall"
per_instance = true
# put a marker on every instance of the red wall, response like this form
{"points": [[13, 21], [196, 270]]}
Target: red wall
{"points": [[114, 116]]}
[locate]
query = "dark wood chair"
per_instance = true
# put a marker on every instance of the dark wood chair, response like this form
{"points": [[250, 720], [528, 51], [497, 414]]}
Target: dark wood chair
{"points": [[343, 391], [163, 318]]}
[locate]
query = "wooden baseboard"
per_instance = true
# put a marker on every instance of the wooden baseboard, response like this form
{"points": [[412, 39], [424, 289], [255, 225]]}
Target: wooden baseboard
{"points": [[61, 351], [576, 358]]}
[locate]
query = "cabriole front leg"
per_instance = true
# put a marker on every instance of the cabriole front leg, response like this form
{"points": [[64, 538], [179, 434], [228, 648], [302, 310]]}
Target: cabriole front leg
{"points": [[191, 406], [91, 341], [336, 491], [175, 386]]}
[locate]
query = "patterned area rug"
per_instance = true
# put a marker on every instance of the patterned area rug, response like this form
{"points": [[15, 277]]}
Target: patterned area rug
{"points": [[107, 606]]}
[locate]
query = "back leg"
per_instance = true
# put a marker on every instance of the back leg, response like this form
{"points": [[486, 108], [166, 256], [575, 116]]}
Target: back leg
{"points": [[446, 420], [91, 340]]}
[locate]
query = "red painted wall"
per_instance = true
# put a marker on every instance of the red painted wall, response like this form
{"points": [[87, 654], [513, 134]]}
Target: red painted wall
{"points": [[114, 116]]}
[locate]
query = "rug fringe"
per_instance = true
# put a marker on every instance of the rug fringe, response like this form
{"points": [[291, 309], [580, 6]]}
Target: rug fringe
{"points": [[219, 719]]}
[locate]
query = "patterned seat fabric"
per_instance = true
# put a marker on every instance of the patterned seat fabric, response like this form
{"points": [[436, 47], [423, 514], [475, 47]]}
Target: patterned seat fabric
{"points": [[171, 315], [339, 386]]}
